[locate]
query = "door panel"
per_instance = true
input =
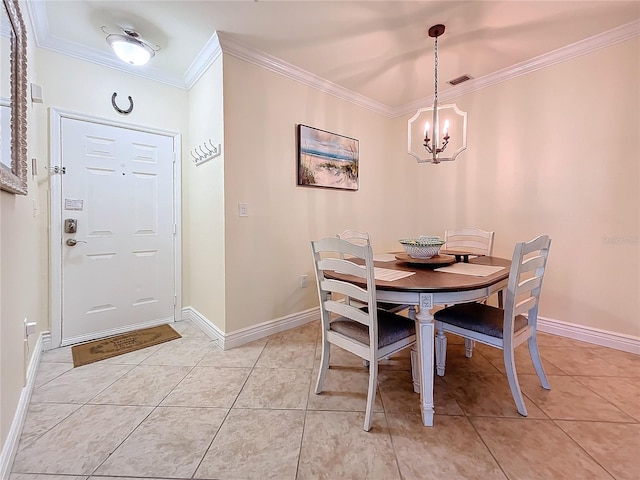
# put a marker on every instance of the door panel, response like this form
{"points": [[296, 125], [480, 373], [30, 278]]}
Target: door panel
{"points": [[119, 186]]}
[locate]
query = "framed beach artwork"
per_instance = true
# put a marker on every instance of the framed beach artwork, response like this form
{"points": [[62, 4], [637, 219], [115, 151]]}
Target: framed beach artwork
{"points": [[327, 159]]}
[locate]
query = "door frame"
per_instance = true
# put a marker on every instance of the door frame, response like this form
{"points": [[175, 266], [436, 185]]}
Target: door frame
{"points": [[55, 215]]}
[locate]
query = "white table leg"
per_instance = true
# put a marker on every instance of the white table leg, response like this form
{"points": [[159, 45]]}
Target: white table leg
{"points": [[426, 352], [415, 356], [441, 352]]}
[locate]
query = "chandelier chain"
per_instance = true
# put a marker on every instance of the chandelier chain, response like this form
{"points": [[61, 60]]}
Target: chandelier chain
{"points": [[436, 69]]}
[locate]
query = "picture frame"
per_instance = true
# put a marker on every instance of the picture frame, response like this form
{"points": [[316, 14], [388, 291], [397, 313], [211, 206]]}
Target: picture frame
{"points": [[13, 103], [327, 160]]}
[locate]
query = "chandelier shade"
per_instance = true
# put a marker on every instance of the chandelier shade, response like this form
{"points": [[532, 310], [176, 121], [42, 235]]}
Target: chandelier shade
{"points": [[437, 133], [452, 123]]}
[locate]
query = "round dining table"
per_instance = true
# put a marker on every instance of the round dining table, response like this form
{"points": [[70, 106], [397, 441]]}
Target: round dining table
{"points": [[425, 288]]}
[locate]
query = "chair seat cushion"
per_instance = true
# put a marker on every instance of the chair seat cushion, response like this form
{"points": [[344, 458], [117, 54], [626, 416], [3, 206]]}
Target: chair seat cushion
{"points": [[478, 317], [391, 328]]}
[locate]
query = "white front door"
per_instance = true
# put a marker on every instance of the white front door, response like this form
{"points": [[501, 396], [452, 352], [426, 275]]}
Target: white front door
{"points": [[118, 189]]}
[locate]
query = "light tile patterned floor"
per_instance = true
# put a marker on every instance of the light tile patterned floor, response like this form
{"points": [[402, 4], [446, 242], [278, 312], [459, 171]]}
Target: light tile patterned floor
{"points": [[187, 409]]}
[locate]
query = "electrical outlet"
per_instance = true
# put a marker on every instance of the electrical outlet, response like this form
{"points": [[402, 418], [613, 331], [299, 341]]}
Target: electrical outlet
{"points": [[304, 281], [31, 328]]}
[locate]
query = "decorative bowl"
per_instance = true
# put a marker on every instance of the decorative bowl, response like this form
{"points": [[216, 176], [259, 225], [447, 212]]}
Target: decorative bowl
{"points": [[422, 247]]}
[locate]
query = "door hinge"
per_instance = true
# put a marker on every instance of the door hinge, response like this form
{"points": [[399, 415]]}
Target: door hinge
{"points": [[175, 228], [175, 300], [56, 169]]}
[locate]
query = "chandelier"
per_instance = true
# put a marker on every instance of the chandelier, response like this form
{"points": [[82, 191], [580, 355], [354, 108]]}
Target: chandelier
{"points": [[433, 129]]}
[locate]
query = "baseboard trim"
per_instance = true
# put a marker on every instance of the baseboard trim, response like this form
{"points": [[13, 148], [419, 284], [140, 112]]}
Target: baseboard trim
{"points": [[11, 444], [47, 341], [190, 313], [618, 341], [249, 334], [597, 336], [255, 332]]}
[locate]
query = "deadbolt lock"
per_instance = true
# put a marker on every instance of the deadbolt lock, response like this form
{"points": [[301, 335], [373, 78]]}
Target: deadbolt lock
{"points": [[70, 225]]}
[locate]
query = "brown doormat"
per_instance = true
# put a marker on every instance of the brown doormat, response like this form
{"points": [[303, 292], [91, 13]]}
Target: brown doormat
{"points": [[127, 342]]}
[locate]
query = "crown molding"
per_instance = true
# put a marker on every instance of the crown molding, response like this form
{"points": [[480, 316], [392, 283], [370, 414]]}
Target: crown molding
{"points": [[205, 58], [221, 42], [563, 54], [37, 13], [249, 54], [569, 52]]}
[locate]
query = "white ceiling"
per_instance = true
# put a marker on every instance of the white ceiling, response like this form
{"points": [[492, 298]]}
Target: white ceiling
{"points": [[378, 51]]}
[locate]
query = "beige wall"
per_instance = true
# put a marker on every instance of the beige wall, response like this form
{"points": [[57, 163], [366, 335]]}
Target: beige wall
{"points": [[23, 283], [203, 208], [267, 251], [557, 151], [24, 239]]}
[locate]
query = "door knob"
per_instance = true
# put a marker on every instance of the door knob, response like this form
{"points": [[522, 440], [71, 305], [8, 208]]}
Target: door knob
{"points": [[72, 242]]}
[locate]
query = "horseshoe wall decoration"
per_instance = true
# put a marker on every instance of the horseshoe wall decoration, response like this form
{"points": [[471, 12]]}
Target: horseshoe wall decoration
{"points": [[119, 110]]}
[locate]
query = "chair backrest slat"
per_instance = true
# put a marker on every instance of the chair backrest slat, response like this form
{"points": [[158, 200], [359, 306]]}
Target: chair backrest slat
{"points": [[340, 308], [524, 306], [355, 237], [343, 266], [533, 263], [529, 284], [345, 288], [469, 239]]}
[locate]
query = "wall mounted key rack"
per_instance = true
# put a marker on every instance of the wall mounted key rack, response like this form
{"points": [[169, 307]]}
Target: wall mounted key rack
{"points": [[205, 152]]}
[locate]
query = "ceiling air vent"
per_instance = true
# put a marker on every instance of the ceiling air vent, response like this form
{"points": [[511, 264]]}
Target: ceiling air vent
{"points": [[460, 79]]}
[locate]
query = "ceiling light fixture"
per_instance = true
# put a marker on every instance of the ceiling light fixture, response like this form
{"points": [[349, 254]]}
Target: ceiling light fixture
{"points": [[130, 48], [453, 126]]}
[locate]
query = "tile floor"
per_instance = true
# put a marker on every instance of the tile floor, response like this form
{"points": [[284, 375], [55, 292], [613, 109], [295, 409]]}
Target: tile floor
{"points": [[186, 409]]}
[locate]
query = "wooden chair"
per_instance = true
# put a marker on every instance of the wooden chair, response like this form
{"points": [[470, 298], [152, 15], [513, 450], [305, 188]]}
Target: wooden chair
{"points": [[369, 333], [469, 239], [362, 238], [507, 327], [477, 242]]}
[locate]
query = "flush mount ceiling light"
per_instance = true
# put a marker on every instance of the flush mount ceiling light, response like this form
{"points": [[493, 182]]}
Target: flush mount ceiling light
{"points": [[433, 129], [130, 48]]}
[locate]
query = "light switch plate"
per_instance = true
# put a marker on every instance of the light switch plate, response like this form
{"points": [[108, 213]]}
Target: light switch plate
{"points": [[243, 210], [36, 93]]}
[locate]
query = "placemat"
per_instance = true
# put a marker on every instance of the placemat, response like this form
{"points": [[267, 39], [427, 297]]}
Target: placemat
{"points": [[470, 269], [390, 275], [384, 257]]}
